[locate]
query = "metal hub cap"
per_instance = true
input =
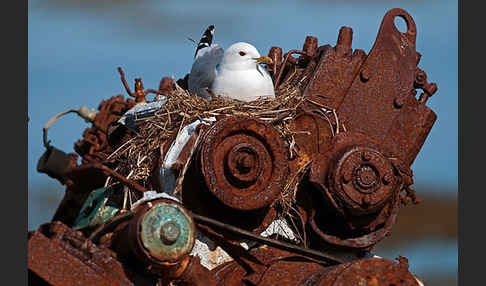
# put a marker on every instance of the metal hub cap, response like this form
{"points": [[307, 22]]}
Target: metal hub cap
{"points": [[166, 231], [243, 160], [363, 179]]}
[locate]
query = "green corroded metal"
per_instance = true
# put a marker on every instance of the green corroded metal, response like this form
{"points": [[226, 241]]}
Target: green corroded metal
{"points": [[166, 231], [97, 209]]}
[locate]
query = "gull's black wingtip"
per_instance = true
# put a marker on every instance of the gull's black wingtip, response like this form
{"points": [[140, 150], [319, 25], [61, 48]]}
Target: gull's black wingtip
{"points": [[206, 39]]}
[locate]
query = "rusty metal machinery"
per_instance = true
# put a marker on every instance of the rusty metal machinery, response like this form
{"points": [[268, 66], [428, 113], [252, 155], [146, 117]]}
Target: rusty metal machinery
{"points": [[244, 162], [210, 217]]}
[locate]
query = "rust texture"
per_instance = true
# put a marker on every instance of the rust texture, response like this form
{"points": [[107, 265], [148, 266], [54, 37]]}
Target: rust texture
{"points": [[60, 256], [153, 255], [243, 162], [166, 85], [371, 271], [386, 78], [278, 267], [312, 138], [335, 71], [383, 126], [239, 159], [268, 266], [359, 187], [140, 92], [195, 274], [295, 71], [94, 144], [355, 136]]}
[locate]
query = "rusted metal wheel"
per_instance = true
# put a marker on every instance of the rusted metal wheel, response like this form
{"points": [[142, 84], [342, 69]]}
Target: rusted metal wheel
{"points": [[355, 176], [363, 179], [244, 162], [361, 186]]}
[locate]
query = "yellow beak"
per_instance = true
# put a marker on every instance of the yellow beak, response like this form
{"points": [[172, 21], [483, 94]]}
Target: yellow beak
{"points": [[264, 60]]}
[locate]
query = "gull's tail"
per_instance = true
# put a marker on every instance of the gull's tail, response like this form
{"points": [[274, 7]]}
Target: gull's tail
{"points": [[206, 39]]}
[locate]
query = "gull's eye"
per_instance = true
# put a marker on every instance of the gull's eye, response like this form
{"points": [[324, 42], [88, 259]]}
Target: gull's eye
{"points": [[242, 54]]}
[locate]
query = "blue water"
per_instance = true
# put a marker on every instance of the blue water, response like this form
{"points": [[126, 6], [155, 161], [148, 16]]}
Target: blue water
{"points": [[427, 258]]}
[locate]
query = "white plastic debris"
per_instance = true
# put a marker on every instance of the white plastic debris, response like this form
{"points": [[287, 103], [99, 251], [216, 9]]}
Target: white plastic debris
{"points": [[166, 177], [210, 254], [140, 111], [88, 114], [152, 195], [281, 228]]}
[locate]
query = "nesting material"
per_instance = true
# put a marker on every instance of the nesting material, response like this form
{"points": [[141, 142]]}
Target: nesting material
{"points": [[136, 155]]}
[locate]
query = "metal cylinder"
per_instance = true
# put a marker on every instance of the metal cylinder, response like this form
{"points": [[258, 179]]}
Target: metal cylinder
{"points": [[161, 234], [54, 163]]}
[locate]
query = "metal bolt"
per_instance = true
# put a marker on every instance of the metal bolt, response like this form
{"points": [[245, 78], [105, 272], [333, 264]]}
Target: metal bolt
{"points": [[387, 179], [169, 232], [420, 78], [399, 101], [244, 162], [366, 177], [366, 156], [365, 75]]}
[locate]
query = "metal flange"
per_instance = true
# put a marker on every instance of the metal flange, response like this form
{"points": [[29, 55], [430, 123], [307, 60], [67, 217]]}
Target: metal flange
{"points": [[244, 164]]}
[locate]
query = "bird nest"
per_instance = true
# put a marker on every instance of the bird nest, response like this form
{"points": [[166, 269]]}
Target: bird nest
{"points": [[182, 108]]}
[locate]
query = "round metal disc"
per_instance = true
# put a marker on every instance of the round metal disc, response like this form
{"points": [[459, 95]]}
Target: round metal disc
{"points": [[244, 162]]}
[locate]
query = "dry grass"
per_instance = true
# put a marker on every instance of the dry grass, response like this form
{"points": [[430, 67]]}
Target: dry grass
{"points": [[182, 108]]}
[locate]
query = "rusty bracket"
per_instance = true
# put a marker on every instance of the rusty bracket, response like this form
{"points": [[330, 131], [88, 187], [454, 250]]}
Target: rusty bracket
{"points": [[335, 71], [309, 51], [140, 92], [386, 78]]}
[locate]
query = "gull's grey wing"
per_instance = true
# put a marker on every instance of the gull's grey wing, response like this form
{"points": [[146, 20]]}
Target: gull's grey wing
{"points": [[203, 69]]}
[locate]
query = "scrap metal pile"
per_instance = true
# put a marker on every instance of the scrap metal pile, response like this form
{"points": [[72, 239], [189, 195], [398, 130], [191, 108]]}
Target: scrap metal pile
{"points": [[295, 190]]}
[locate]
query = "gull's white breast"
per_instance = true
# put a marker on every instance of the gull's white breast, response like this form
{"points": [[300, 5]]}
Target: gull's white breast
{"points": [[245, 85]]}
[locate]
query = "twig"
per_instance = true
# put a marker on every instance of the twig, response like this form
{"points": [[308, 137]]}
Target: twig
{"points": [[118, 149], [147, 91], [272, 111], [328, 121], [282, 67], [108, 171], [318, 104], [337, 120]]}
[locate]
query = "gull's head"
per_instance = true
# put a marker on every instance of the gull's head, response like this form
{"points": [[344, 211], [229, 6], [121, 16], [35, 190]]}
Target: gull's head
{"points": [[243, 56]]}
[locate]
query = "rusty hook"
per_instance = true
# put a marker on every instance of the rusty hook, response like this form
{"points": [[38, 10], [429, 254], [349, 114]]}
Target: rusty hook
{"points": [[287, 56]]}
